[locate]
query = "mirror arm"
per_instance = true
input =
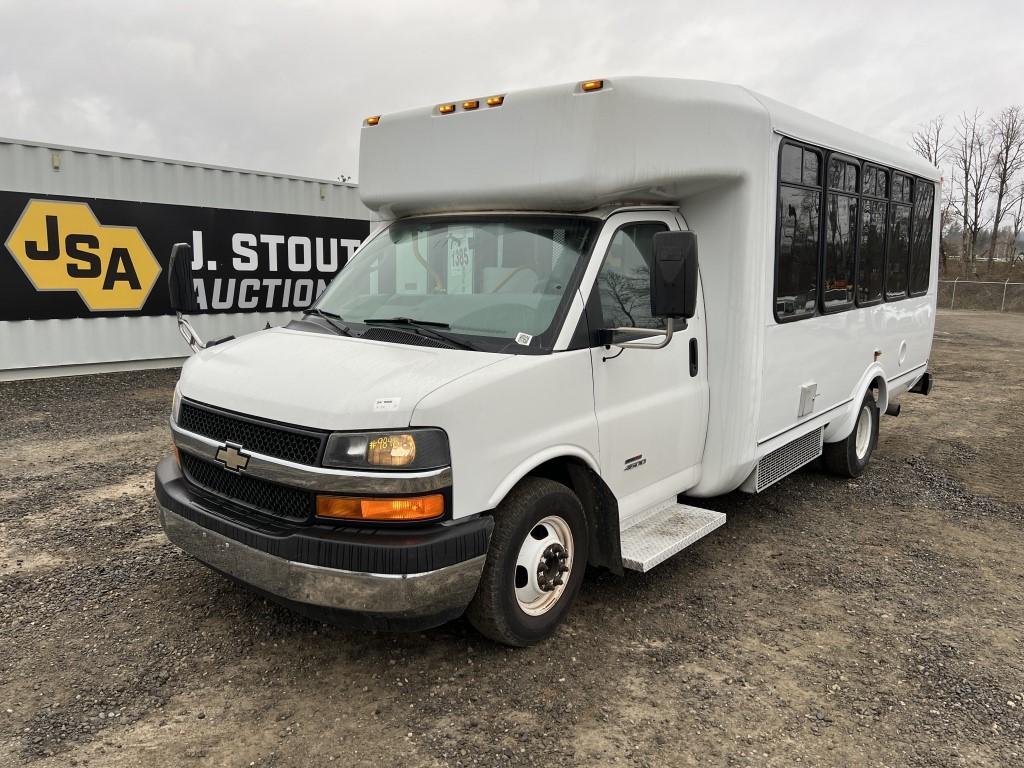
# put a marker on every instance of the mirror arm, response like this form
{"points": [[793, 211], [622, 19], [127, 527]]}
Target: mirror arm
{"points": [[188, 333], [640, 333]]}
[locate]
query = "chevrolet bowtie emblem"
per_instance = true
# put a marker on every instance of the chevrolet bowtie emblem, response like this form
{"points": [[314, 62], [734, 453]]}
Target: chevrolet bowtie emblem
{"points": [[231, 456]]}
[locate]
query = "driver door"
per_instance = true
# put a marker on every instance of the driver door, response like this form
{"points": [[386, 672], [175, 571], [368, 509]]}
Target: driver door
{"points": [[651, 404]]}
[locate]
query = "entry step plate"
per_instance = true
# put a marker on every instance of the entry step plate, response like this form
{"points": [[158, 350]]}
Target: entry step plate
{"points": [[664, 531]]}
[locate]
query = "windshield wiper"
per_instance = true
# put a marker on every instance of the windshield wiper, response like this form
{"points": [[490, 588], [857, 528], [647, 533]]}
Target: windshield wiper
{"points": [[423, 328], [330, 318]]}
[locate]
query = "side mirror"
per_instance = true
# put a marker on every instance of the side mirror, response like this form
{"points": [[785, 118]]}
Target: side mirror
{"points": [[179, 280], [674, 275]]}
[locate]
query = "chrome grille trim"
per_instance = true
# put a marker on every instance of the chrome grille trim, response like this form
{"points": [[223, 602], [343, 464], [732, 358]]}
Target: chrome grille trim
{"points": [[321, 479]]}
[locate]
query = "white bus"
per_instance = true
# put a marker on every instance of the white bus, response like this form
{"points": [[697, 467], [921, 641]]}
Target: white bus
{"points": [[526, 370]]}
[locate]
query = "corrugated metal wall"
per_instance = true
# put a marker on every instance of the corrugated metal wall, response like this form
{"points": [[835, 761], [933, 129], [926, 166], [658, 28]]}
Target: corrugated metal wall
{"points": [[51, 347]]}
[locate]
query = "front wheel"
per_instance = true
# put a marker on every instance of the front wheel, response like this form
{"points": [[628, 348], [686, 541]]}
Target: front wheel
{"points": [[535, 563], [850, 457]]}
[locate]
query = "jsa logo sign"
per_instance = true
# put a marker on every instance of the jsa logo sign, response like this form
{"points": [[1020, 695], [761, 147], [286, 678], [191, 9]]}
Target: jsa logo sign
{"points": [[62, 247]]}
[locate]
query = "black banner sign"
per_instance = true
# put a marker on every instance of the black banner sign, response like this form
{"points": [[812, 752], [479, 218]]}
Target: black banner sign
{"points": [[85, 257]]}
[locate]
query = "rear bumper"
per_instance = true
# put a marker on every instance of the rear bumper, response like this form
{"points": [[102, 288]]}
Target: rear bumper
{"points": [[393, 579]]}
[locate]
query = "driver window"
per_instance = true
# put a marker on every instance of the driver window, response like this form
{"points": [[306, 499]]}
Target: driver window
{"points": [[624, 282]]}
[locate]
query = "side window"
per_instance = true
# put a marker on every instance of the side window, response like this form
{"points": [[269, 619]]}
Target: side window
{"points": [[799, 212], [921, 239], [874, 217], [897, 261], [624, 282], [840, 235], [898, 253]]}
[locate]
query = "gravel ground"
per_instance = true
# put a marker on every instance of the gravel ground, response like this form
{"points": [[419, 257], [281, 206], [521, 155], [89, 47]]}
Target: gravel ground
{"points": [[874, 623]]}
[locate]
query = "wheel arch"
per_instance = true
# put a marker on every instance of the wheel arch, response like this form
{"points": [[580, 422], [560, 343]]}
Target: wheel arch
{"points": [[578, 471], [872, 379]]}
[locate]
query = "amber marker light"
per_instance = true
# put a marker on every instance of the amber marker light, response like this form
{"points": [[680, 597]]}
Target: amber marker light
{"points": [[446, 109], [495, 101], [471, 104], [385, 510], [591, 85], [373, 120]]}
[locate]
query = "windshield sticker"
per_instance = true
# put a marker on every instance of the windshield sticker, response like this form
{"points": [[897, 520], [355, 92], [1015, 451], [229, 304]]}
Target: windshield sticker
{"points": [[387, 403], [460, 261], [524, 339]]}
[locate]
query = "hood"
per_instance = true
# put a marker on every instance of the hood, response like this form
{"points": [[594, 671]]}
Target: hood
{"points": [[324, 381]]}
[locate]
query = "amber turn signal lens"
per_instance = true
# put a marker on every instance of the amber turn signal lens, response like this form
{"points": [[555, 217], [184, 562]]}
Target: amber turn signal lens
{"points": [[592, 85], [472, 104], [446, 109], [373, 120], [495, 101], [410, 508]]}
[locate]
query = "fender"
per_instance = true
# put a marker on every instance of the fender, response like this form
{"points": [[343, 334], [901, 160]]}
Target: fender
{"points": [[534, 461], [841, 427]]}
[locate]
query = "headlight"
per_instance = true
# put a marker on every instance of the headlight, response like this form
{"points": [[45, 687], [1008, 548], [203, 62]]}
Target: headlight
{"points": [[176, 404], [408, 449]]}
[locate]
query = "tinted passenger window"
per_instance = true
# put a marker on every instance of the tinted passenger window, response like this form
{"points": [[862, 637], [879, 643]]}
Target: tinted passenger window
{"points": [[840, 239], [921, 245], [898, 254], [871, 273], [902, 188], [840, 235], [792, 163], [624, 282], [796, 289], [799, 166], [876, 182]]}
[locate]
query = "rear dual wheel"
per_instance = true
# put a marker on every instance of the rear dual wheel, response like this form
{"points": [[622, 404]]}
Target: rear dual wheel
{"points": [[535, 563]]}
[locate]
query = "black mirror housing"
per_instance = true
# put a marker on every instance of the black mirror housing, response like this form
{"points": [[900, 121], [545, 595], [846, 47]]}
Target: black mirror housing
{"points": [[179, 280], [674, 275]]}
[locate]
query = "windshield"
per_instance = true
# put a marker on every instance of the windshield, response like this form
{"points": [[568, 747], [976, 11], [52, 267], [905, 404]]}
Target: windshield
{"points": [[499, 281]]}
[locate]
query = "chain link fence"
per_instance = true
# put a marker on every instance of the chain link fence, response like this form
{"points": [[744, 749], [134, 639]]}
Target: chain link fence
{"points": [[997, 296]]}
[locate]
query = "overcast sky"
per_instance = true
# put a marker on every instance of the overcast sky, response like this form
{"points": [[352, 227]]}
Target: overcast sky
{"points": [[283, 86]]}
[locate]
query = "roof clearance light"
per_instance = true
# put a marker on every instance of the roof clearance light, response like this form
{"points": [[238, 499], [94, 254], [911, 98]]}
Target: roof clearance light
{"points": [[591, 85], [446, 109], [495, 101], [471, 104], [373, 120]]}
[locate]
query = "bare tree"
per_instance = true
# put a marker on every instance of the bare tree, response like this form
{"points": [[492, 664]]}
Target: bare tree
{"points": [[1015, 209], [1007, 132], [972, 164], [927, 142]]}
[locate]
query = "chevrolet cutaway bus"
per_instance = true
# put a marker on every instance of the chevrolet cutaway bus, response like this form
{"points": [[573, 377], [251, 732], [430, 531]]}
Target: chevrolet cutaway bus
{"points": [[526, 367]]}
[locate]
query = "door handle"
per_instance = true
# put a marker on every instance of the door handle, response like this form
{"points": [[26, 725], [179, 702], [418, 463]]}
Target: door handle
{"points": [[693, 357]]}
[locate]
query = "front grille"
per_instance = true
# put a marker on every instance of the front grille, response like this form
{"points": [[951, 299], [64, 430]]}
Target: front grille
{"points": [[290, 444], [274, 499]]}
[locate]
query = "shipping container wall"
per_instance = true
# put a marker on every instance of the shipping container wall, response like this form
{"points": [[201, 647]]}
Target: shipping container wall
{"points": [[87, 236]]}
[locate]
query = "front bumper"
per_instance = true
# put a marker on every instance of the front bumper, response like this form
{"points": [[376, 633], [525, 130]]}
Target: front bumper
{"points": [[409, 578]]}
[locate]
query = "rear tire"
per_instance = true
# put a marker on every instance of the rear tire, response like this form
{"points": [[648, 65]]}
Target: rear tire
{"points": [[850, 457], [535, 564]]}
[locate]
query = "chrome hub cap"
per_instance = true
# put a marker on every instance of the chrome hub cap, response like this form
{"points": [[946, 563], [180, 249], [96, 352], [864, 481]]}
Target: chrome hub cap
{"points": [[544, 565]]}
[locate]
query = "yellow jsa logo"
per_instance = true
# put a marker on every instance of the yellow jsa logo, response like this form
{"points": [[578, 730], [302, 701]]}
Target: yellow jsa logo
{"points": [[62, 247]]}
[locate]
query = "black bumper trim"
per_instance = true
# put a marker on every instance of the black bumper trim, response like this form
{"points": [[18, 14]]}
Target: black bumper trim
{"points": [[367, 550]]}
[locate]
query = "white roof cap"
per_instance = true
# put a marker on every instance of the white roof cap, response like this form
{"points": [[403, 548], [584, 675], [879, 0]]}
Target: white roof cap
{"points": [[634, 140]]}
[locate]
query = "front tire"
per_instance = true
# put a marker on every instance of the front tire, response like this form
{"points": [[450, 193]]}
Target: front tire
{"points": [[535, 564], [850, 457]]}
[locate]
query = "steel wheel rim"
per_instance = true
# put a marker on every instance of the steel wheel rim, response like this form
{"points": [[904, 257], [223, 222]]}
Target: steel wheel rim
{"points": [[863, 439], [543, 565]]}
